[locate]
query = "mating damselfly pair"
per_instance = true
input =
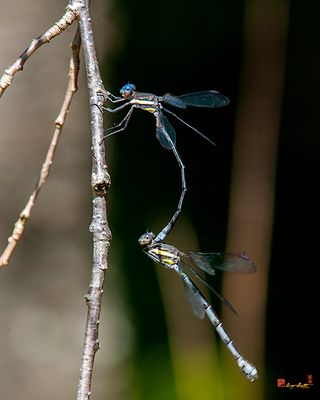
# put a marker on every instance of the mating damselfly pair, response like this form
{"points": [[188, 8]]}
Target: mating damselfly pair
{"points": [[166, 255]]}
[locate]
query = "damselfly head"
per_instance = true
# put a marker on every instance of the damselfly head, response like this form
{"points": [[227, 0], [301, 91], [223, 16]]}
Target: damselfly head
{"points": [[146, 238], [127, 90]]}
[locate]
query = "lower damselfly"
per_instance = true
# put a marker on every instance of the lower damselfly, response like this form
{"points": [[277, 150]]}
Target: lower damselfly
{"points": [[165, 132], [171, 258]]}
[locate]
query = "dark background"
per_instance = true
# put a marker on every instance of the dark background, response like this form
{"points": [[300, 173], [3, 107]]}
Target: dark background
{"points": [[181, 47]]}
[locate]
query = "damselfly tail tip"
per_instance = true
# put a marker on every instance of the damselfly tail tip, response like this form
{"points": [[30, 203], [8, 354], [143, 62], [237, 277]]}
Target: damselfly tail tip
{"points": [[248, 369]]}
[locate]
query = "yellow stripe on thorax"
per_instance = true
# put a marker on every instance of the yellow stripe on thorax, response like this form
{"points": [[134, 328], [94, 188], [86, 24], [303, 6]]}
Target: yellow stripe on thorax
{"points": [[168, 261], [145, 104], [142, 101], [151, 109], [165, 256]]}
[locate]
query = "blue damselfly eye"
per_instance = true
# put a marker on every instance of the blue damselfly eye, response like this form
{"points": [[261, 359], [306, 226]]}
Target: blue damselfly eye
{"points": [[127, 88]]}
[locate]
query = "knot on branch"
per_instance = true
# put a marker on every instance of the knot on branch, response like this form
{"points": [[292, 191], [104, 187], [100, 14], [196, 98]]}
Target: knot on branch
{"points": [[101, 189]]}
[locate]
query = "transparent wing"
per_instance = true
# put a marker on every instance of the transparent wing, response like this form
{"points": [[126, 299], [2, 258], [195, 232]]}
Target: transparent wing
{"points": [[230, 262], [194, 296], [190, 126], [208, 98], [201, 279], [165, 132], [175, 101]]}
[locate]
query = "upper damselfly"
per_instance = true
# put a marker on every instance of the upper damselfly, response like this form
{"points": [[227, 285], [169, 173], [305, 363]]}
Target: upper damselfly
{"points": [[171, 258], [165, 133]]}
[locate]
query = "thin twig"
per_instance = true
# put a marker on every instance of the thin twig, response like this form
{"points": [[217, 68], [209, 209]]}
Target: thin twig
{"points": [[25, 214], [67, 19], [100, 182]]}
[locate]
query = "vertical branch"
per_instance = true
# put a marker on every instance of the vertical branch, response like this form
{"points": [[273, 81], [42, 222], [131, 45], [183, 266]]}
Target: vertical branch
{"points": [[100, 182]]}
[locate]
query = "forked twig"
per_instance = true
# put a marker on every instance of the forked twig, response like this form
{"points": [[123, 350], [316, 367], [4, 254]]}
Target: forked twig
{"points": [[67, 19], [25, 214]]}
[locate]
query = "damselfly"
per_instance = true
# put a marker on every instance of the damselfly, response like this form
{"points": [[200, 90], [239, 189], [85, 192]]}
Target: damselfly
{"points": [[171, 258], [165, 133]]}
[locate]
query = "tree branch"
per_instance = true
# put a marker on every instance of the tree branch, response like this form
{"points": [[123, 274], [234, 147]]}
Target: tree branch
{"points": [[100, 182], [67, 19], [25, 214], [100, 179]]}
